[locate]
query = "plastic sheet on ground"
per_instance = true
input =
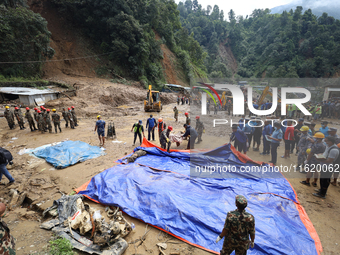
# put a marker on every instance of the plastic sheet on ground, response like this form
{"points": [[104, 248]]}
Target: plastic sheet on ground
{"points": [[194, 209], [68, 153]]}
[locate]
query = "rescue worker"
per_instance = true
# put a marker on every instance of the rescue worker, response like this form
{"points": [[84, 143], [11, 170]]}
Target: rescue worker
{"points": [[248, 129], [199, 128], [7, 243], [35, 114], [240, 138], [44, 112], [9, 117], [317, 147], [297, 134], [192, 134], [19, 117], [238, 226], [138, 129], [303, 145], [187, 120], [176, 113], [64, 114], [330, 156], [165, 139], [70, 118], [30, 120], [151, 124], [257, 134], [56, 120], [276, 138], [41, 126], [74, 116], [229, 106], [48, 121], [161, 127], [100, 127]]}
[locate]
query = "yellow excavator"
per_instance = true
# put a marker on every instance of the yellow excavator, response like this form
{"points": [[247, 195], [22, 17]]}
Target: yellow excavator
{"points": [[153, 101], [264, 94]]}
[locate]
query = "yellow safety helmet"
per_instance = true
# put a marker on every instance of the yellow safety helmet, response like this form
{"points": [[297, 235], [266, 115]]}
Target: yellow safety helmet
{"points": [[98, 116], [319, 135], [7, 107], [308, 150], [54, 110], [304, 128]]}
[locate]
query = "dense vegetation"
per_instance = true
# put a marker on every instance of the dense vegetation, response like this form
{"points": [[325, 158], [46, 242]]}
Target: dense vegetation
{"points": [[127, 29], [23, 37], [288, 45]]}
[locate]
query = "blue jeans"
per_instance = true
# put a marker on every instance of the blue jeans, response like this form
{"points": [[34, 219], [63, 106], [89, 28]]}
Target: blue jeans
{"points": [[3, 170], [266, 146]]}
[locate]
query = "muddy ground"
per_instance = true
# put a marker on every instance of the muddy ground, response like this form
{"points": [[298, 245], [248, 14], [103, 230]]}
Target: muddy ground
{"points": [[123, 105]]}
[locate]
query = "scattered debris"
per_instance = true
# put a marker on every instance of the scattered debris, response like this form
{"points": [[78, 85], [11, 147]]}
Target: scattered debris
{"points": [[161, 247]]}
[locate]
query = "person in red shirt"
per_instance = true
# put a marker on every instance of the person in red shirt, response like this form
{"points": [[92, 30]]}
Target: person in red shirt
{"points": [[289, 139]]}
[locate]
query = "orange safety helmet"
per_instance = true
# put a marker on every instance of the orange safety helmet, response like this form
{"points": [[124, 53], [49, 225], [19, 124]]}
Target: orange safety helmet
{"points": [[72, 107], [39, 111], [69, 108], [35, 109], [160, 120]]}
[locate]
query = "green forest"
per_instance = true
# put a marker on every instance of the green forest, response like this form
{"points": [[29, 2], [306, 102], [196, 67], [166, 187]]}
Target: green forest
{"points": [[288, 45]]}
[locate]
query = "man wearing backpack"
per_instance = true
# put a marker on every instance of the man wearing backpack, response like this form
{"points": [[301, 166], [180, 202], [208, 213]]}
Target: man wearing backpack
{"points": [[328, 166], [5, 158]]}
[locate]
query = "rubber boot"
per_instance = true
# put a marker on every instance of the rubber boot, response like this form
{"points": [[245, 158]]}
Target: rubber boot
{"points": [[60, 130]]}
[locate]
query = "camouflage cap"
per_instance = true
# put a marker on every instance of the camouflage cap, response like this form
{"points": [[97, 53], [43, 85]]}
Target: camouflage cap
{"points": [[241, 200]]}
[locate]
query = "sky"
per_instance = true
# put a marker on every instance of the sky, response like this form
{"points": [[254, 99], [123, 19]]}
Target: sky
{"points": [[241, 7]]}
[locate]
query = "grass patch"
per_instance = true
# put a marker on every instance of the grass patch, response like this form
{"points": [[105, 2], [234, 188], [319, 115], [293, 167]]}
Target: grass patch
{"points": [[60, 246]]}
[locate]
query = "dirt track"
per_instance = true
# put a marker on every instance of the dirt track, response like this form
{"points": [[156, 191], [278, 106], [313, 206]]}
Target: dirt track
{"points": [[44, 184]]}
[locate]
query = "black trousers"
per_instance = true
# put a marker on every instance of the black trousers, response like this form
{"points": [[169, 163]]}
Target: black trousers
{"points": [[325, 180], [151, 131], [140, 137], [273, 151]]}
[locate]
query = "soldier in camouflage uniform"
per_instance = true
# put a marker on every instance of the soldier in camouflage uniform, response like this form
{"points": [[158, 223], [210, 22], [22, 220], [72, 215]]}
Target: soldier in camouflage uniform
{"points": [[165, 139], [41, 122], [19, 117], [199, 128], [69, 118], [188, 120], [229, 105], [64, 113], [74, 116], [303, 145], [239, 225], [7, 243], [48, 120], [35, 114], [56, 120], [43, 125], [30, 120], [176, 113], [9, 117]]}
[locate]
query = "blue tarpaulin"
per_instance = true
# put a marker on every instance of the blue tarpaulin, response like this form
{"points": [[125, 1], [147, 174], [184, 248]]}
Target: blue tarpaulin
{"points": [[194, 209], [68, 153]]}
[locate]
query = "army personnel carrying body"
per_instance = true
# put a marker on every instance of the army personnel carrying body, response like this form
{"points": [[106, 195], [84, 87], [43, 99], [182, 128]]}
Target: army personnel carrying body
{"points": [[30, 120], [165, 139], [9, 117], [239, 225], [74, 116], [56, 120], [19, 117]]}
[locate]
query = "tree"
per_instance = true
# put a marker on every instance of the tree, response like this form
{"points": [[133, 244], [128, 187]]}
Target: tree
{"points": [[231, 15]]}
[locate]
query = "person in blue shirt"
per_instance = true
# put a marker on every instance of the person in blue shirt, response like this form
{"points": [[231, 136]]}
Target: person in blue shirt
{"points": [[267, 130], [240, 138], [150, 125], [241, 122], [248, 130], [324, 129], [100, 127], [263, 106], [267, 105], [276, 138], [192, 134]]}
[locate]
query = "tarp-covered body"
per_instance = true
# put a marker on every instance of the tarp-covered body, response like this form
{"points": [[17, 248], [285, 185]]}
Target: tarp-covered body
{"points": [[68, 153], [194, 209]]}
